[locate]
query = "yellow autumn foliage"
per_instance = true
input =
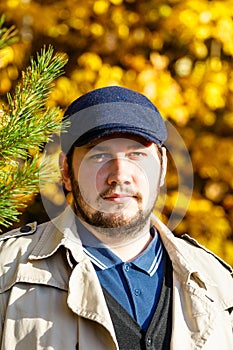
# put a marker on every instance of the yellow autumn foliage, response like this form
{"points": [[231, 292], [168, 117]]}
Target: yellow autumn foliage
{"points": [[179, 54]]}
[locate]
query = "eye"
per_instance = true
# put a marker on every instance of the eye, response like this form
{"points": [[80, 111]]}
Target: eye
{"points": [[100, 157], [137, 155]]}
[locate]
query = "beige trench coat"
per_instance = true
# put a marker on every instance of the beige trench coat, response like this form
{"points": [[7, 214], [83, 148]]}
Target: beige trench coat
{"points": [[50, 297]]}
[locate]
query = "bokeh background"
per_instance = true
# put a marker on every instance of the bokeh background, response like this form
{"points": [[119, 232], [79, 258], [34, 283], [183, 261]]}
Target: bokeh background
{"points": [[179, 53]]}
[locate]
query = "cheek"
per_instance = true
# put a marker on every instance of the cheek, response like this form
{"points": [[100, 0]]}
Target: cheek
{"points": [[90, 182], [101, 176], [149, 179], [86, 178], [153, 176]]}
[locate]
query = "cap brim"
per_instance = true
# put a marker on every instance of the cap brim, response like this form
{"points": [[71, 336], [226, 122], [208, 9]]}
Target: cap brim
{"points": [[112, 129], [105, 119]]}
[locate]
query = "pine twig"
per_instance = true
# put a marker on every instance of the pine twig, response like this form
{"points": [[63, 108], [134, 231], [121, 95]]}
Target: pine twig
{"points": [[25, 127]]}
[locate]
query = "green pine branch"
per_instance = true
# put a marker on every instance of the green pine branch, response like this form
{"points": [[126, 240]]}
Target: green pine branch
{"points": [[19, 182], [8, 36], [27, 109], [25, 126]]}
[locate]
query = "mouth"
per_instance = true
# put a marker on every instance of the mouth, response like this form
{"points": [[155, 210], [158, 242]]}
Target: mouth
{"points": [[119, 197]]}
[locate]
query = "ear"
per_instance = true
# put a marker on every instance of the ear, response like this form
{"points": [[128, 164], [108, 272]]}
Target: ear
{"points": [[164, 166], [64, 168]]}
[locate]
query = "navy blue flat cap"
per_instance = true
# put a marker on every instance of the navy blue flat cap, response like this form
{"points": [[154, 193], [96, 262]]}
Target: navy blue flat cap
{"points": [[110, 110]]}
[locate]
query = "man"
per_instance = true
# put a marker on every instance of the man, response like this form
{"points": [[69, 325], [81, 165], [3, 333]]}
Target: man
{"points": [[105, 274]]}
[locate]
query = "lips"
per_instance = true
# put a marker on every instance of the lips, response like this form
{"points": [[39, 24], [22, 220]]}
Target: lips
{"points": [[119, 197], [119, 194]]}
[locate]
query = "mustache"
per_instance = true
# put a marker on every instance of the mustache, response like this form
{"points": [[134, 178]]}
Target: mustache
{"points": [[121, 191]]}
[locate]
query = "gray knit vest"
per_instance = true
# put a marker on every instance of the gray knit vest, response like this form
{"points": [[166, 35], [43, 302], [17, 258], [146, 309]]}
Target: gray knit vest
{"points": [[130, 335]]}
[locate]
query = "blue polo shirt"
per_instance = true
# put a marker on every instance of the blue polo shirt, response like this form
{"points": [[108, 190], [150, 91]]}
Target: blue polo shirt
{"points": [[136, 285]]}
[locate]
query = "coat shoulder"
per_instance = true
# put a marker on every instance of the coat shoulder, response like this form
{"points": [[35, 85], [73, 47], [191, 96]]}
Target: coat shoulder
{"points": [[25, 230], [15, 249], [20, 241], [208, 253]]}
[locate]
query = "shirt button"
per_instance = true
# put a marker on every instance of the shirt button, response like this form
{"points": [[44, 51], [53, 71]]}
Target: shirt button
{"points": [[126, 267], [137, 292], [148, 341]]}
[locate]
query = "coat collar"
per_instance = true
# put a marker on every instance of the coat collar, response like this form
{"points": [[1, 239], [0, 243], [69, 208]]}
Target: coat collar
{"points": [[61, 231]]}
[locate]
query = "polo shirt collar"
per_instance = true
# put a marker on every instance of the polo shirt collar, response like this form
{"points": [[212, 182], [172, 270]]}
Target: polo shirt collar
{"points": [[103, 258]]}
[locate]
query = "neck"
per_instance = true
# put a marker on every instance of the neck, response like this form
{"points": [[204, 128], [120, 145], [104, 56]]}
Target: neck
{"points": [[126, 248]]}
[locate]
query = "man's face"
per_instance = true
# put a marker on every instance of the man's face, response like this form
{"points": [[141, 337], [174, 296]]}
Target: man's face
{"points": [[115, 182]]}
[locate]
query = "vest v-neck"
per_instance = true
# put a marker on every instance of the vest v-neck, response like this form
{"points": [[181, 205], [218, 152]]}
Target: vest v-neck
{"points": [[130, 335]]}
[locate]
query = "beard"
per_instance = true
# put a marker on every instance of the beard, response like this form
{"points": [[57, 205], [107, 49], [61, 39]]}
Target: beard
{"points": [[113, 224]]}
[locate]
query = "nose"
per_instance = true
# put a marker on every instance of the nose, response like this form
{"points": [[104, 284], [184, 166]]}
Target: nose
{"points": [[120, 172]]}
